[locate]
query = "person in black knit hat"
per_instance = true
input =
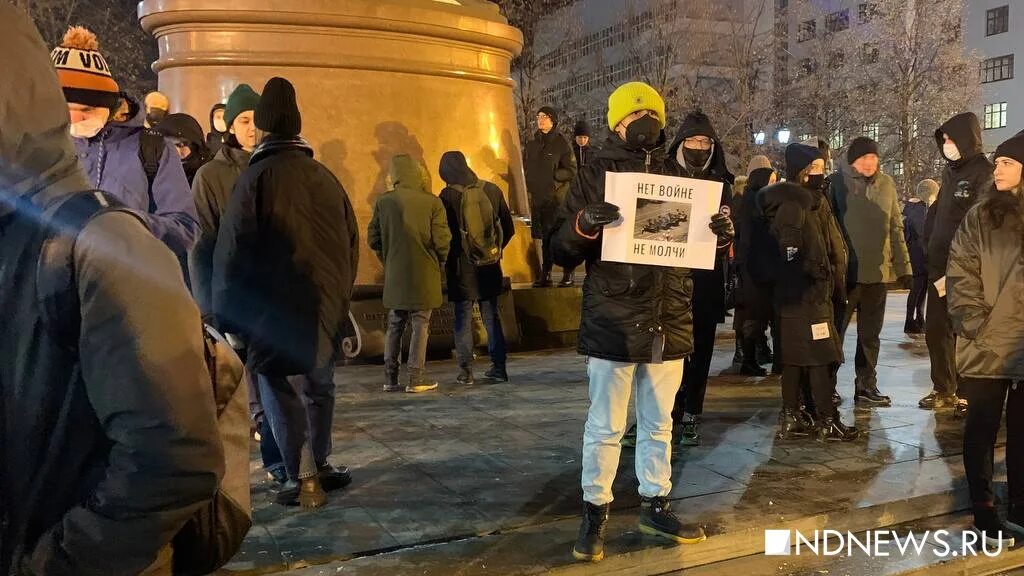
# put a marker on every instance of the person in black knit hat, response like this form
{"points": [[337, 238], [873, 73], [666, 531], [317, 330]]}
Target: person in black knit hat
{"points": [[284, 266], [581, 146], [550, 167]]}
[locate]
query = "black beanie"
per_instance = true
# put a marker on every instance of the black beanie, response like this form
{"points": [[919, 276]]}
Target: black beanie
{"points": [[1012, 148], [798, 157], [551, 114], [581, 129], [277, 112], [861, 146]]}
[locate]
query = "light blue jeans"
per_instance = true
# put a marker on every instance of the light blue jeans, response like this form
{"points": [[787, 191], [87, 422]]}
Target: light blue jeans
{"points": [[611, 384]]}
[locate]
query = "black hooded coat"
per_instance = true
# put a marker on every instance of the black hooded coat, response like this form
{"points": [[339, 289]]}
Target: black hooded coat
{"points": [[187, 128], [464, 280], [215, 138]]}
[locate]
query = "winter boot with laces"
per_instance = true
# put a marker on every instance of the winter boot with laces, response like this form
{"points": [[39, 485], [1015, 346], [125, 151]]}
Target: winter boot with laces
{"points": [[657, 519], [589, 545]]}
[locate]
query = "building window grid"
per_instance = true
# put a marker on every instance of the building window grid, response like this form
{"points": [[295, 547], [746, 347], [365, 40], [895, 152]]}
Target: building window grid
{"points": [[837, 21], [869, 53], [997, 20], [996, 69], [870, 130], [807, 31], [866, 11], [604, 38], [995, 116]]}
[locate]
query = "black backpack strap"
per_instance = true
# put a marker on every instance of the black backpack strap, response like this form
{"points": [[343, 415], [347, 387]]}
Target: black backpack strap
{"points": [[151, 151], [56, 290]]}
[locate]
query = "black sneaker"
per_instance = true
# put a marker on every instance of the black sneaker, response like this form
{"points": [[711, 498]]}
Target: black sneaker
{"points": [[833, 430], [589, 545], [544, 281], [496, 373], [749, 369], [690, 433], [278, 475], [568, 280], [306, 493], [657, 519], [935, 401], [334, 477], [791, 426], [993, 531], [871, 398], [465, 377]]}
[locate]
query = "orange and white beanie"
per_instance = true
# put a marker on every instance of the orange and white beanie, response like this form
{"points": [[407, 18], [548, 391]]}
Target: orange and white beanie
{"points": [[83, 72]]}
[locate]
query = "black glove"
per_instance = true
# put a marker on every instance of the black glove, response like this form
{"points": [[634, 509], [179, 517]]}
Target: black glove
{"points": [[906, 282], [594, 216], [722, 226]]}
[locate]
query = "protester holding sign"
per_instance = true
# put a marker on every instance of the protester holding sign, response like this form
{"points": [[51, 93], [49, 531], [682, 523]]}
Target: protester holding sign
{"points": [[636, 326], [811, 268]]}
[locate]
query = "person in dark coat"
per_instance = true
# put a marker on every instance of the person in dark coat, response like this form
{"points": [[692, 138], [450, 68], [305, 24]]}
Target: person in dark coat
{"points": [[108, 431], [218, 128], [635, 328], [983, 285], [968, 173], [550, 166], [468, 283], [811, 268], [697, 153], [915, 213], [186, 135], [582, 149], [284, 267]]}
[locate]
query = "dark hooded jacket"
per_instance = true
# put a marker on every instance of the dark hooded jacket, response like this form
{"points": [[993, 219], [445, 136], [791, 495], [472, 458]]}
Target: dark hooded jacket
{"points": [[708, 285], [464, 280], [286, 259], [807, 275], [187, 128], [628, 310], [108, 441], [550, 166], [756, 250], [962, 182], [215, 138], [914, 216], [986, 264]]}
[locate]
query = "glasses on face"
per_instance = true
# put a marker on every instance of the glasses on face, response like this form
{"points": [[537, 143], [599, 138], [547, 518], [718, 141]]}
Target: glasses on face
{"points": [[700, 143], [543, 117], [181, 145]]}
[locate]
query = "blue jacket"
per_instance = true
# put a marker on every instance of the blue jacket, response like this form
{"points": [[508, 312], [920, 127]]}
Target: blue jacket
{"points": [[111, 161]]}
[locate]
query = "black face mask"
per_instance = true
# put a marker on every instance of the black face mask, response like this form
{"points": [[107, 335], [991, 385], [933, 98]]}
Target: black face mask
{"points": [[696, 158], [643, 132], [815, 182], [155, 117]]}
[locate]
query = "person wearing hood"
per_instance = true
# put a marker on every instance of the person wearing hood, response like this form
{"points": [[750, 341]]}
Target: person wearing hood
{"points": [[915, 213], [812, 267], [218, 128], [697, 153], [409, 232], [983, 284], [284, 268], [582, 149], [636, 328], [108, 434], [756, 258], [110, 152], [867, 208], [968, 173], [157, 105], [468, 283], [550, 166], [186, 135]]}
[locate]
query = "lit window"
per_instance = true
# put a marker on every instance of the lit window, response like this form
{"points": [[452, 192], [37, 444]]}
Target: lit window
{"points": [[759, 138], [783, 135], [996, 69], [995, 116], [870, 130]]}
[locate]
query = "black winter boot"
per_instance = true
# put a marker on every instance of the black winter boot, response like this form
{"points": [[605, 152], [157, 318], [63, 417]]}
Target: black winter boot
{"points": [[589, 545], [791, 426], [833, 430], [657, 519]]}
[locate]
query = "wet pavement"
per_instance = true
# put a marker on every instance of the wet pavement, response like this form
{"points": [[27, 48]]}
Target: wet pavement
{"points": [[484, 479]]}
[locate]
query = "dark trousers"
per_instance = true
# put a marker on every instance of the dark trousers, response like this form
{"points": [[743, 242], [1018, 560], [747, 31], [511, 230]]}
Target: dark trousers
{"points": [[915, 302], [985, 403], [300, 410], [690, 398], [271, 454], [941, 344], [817, 378], [496, 347], [868, 302]]}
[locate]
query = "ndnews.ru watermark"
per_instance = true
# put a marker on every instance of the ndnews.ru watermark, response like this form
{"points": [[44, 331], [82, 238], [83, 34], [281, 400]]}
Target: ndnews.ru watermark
{"points": [[878, 543]]}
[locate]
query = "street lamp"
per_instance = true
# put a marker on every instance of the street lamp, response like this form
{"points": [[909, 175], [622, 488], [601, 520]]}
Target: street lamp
{"points": [[783, 135]]}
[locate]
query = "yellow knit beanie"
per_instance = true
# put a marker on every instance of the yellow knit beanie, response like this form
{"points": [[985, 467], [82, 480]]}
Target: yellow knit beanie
{"points": [[633, 97]]}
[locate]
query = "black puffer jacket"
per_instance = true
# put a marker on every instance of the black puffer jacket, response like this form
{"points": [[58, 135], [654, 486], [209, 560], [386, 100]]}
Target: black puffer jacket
{"points": [[464, 280], [803, 291], [756, 249], [286, 259], [550, 166], [708, 285], [962, 182], [627, 309]]}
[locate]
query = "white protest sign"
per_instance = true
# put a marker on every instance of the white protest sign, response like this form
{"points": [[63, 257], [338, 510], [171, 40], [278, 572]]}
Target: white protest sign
{"points": [[665, 220]]}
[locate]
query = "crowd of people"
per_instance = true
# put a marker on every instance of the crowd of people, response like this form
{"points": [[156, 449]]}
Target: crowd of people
{"points": [[143, 261]]}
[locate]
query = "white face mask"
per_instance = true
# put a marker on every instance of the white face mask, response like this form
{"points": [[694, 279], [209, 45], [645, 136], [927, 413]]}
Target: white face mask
{"points": [[950, 151], [219, 125], [87, 128]]}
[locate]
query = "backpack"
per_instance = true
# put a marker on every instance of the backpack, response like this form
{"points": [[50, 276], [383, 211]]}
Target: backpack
{"points": [[479, 226], [214, 534], [151, 152]]}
